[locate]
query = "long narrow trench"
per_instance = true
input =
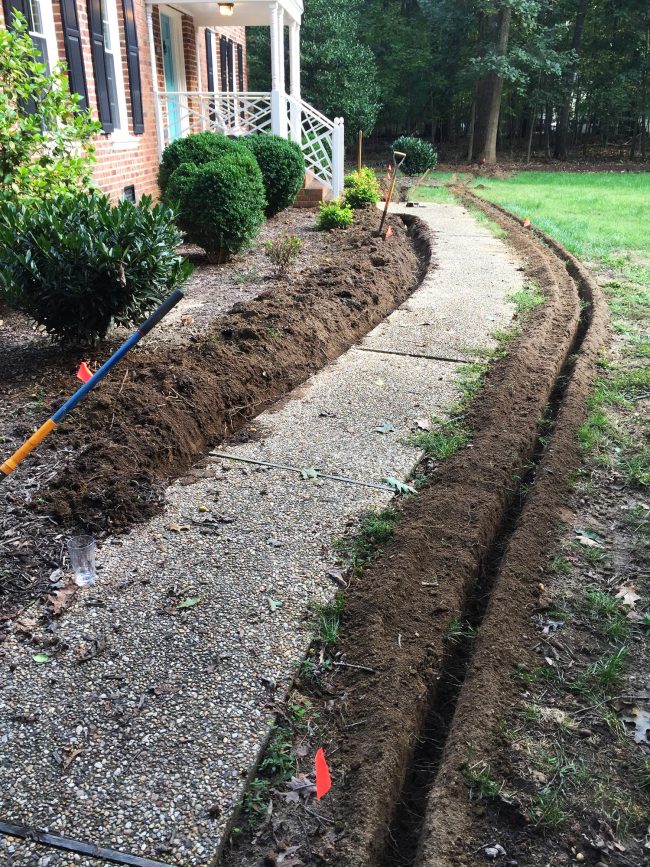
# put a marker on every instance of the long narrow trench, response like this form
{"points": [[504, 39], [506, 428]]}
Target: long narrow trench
{"points": [[403, 835]]}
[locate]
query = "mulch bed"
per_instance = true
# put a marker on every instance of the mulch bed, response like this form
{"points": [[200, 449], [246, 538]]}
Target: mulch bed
{"points": [[108, 464]]}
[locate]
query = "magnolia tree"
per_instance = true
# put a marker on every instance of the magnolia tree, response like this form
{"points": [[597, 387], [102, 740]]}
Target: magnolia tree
{"points": [[45, 136]]}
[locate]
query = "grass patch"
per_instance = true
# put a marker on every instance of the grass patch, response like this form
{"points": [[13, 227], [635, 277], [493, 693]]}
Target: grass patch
{"points": [[526, 299], [606, 611], [375, 530], [446, 438], [482, 785], [494, 228], [327, 618], [438, 194], [603, 678]]}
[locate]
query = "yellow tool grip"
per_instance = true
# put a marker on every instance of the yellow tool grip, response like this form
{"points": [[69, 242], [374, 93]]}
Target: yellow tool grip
{"points": [[11, 463]]}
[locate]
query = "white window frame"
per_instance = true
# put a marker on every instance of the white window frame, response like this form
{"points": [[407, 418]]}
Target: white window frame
{"points": [[49, 33], [120, 137]]}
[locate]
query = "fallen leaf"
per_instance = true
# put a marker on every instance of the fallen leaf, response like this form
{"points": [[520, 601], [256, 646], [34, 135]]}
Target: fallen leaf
{"points": [[189, 603], [423, 424], [587, 542], [309, 473], [337, 576], [178, 528], [299, 787], [386, 427], [640, 719], [41, 657], [398, 486], [628, 595], [70, 756], [378, 381], [59, 600], [25, 624], [273, 604]]}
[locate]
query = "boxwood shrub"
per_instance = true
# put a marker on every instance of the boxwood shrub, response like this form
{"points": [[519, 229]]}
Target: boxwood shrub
{"points": [[361, 188], [420, 155], [283, 169], [203, 147], [334, 215], [220, 203], [76, 264]]}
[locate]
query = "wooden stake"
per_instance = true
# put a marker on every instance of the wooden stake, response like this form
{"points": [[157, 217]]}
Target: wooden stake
{"points": [[392, 188]]}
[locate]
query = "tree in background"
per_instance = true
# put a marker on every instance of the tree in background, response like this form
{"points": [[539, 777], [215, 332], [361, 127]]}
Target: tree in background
{"points": [[339, 71], [44, 136]]}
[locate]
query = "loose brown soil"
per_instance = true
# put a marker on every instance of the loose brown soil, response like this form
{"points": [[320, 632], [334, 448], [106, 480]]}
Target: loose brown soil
{"points": [[107, 465], [473, 530]]}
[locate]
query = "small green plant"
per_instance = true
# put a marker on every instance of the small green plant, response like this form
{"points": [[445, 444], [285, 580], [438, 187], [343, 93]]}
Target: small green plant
{"points": [[420, 155], [279, 762], [328, 620], [197, 149], [283, 169], [603, 677], [482, 785], [334, 215], [45, 148], [361, 188], [446, 438], [76, 265], [459, 630], [220, 203], [526, 299], [283, 252], [547, 810], [375, 530]]}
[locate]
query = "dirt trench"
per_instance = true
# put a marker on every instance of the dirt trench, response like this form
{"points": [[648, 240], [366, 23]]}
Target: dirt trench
{"points": [[470, 548]]}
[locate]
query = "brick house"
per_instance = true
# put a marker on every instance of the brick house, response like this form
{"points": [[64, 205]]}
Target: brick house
{"points": [[153, 71]]}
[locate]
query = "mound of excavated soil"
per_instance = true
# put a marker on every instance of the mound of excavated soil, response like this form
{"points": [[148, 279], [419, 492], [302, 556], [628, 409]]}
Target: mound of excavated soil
{"points": [[134, 434]]}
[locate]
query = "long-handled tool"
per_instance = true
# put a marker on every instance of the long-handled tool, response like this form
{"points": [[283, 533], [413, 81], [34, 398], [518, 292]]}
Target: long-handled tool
{"points": [[396, 166], [36, 438]]}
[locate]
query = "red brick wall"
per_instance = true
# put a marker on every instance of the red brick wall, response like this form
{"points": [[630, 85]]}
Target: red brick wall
{"points": [[136, 162]]}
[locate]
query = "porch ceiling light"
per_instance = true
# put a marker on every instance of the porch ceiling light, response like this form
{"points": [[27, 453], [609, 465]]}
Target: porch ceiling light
{"points": [[226, 9]]}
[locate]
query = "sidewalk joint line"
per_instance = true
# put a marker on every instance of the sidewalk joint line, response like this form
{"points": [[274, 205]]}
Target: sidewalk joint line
{"points": [[415, 355], [332, 478]]}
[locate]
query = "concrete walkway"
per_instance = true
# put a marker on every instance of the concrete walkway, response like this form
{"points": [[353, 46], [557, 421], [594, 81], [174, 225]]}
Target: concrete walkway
{"points": [[144, 747]]}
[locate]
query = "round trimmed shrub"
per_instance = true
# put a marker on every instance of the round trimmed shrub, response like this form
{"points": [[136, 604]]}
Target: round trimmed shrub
{"points": [[220, 204], [283, 169], [198, 149], [76, 264], [420, 155], [361, 188]]}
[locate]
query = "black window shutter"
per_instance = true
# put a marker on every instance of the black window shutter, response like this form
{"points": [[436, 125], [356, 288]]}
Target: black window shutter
{"points": [[208, 60], [231, 65], [133, 66], [11, 6], [223, 62], [240, 67], [74, 51], [99, 64]]}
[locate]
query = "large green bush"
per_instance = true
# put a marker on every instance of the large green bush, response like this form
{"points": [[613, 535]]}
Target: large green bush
{"points": [[283, 169], [220, 204], [361, 188], [196, 149], [420, 155], [45, 146], [76, 264]]}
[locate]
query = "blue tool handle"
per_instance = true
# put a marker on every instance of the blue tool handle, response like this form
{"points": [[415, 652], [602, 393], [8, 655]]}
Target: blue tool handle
{"points": [[163, 310]]}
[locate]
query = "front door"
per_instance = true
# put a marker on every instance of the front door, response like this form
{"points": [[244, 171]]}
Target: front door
{"points": [[173, 80]]}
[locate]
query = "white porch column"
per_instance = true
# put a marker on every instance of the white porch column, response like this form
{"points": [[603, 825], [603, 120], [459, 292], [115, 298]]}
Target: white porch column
{"points": [[278, 93], [294, 69], [338, 157], [160, 137]]}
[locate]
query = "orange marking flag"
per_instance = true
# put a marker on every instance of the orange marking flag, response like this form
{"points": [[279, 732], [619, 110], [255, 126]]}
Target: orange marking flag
{"points": [[84, 373], [323, 779], [389, 232], [527, 223]]}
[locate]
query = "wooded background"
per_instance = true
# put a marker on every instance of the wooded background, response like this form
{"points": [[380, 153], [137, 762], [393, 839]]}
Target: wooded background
{"points": [[513, 79]]}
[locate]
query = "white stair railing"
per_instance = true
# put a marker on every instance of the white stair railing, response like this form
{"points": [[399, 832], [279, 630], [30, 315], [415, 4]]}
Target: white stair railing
{"points": [[321, 139]]}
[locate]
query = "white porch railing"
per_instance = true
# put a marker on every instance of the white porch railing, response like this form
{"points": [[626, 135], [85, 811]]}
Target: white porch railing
{"points": [[322, 140]]}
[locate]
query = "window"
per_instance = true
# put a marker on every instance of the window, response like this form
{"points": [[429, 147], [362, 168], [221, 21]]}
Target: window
{"points": [[109, 53], [41, 29]]}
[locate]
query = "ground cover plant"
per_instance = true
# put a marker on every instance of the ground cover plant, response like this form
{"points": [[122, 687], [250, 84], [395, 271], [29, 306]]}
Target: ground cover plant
{"points": [[361, 188], [283, 169], [76, 265]]}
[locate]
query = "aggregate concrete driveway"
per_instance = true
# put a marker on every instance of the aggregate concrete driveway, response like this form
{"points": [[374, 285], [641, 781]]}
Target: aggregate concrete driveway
{"points": [[144, 749]]}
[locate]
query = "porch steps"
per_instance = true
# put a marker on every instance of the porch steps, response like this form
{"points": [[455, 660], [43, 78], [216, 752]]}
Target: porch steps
{"points": [[312, 194]]}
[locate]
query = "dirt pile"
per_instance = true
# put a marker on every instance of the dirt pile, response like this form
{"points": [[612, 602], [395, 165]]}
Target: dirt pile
{"points": [[146, 426]]}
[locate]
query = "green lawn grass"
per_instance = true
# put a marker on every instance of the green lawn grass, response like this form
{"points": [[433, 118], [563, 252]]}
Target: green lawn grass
{"points": [[601, 217]]}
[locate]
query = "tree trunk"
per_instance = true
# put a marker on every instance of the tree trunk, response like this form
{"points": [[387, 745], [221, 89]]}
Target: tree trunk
{"points": [[563, 123], [472, 124], [490, 91], [548, 120]]}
